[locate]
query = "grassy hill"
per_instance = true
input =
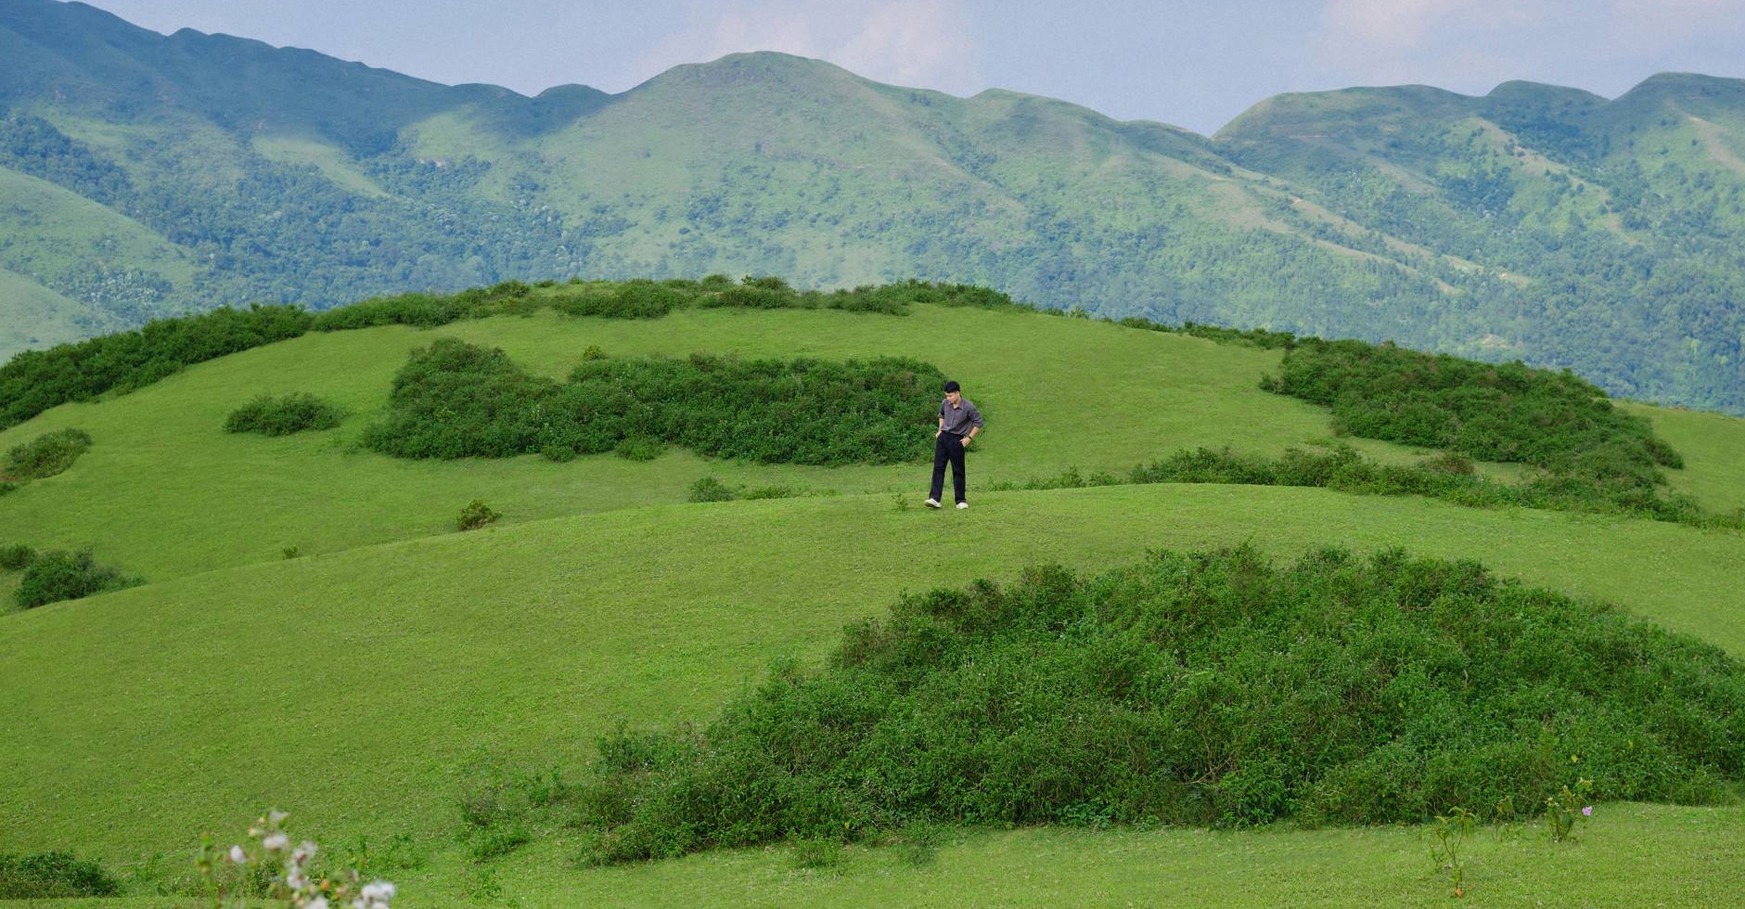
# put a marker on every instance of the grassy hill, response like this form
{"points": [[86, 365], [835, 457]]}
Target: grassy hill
{"points": [[369, 682], [1536, 222]]}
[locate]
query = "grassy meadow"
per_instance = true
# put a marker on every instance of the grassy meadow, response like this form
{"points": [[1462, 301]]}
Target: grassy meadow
{"points": [[368, 683]]}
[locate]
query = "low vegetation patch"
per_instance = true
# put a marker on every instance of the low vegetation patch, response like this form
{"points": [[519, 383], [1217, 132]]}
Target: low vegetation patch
{"points": [[57, 575], [16, 557], [1555, 421], [477, 514], [35, 380], [282, 416], [455, 400], [47, 454], [712, 489], [1449, 477], [1203, 689], [53, 875]]}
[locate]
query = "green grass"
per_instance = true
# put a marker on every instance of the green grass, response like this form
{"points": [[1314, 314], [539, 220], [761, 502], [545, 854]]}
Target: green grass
{"points": [[35, 317], [1714, 472], [355, 685], [351, 687], [166, 492]]}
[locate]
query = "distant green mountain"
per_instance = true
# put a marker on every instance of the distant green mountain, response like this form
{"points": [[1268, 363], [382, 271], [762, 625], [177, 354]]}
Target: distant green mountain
{"points": [[1537, 222]]}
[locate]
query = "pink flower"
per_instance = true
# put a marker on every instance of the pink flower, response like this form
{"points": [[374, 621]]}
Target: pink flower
{"points": [[1588, 811]]}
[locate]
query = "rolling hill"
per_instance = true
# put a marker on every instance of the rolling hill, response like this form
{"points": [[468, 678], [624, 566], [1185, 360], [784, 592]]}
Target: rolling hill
{"points": [[367, 682], [1537, 222]]}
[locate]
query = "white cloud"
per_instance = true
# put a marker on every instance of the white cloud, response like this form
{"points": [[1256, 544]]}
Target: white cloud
{"points": [[1641, 27], [926, 43]]}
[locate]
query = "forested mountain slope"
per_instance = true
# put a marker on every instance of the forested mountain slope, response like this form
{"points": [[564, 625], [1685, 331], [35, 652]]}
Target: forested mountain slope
{"points": [[1537, 222]]}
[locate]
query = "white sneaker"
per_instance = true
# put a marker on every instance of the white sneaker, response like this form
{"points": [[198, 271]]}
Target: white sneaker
{"points": [[963, 504], [931, 503]]}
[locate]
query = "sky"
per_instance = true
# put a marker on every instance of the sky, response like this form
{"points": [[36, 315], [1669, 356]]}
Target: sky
{"points": [[1191, 63]]}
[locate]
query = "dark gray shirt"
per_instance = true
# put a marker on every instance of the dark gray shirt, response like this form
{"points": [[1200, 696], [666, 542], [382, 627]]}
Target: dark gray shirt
{"points": [[959, 419]]}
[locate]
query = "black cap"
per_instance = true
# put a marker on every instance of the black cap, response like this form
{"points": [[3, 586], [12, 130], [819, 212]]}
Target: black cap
{"points": [[951, 386]]}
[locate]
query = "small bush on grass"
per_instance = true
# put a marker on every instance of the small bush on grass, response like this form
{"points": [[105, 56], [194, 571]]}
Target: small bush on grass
{"points": [[710, 489], [16, 557], [56, 575], [477, 514], [53, 875], [1200, 689], [283, 416], [47, 455]]}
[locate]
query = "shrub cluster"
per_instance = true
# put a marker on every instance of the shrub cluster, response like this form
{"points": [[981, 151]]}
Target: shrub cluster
{"points": [[1505, 413], [53, 875], [455, 400], [47, 454], [283, 416], [58, 575], [1449, 477], [35, 380], [1204, 689]]}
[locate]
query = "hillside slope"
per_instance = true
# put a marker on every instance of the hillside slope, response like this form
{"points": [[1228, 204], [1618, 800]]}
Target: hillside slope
{"points": [[367, 683], [1537, 222]]}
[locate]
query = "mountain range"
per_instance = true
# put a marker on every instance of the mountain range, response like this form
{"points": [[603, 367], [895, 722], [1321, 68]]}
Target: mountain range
{"points": [[144, 175]]}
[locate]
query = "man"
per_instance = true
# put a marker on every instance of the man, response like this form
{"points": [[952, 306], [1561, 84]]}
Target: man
{"points": [[959, 421]]}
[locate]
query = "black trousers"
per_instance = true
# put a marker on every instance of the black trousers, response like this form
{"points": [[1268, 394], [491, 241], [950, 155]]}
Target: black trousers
{"points": [[948, 447]]}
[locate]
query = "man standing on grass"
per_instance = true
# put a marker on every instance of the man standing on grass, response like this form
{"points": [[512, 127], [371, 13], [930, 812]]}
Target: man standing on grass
{"points": [[959, 421]]}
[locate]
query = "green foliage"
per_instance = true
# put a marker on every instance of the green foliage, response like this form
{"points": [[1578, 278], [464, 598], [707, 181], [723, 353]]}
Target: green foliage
{"points": [[458, 400], [57, 575], [1204, 689], [53, 875], [16, 557], [711, 489], [47, 454], [1505, 413], [283, 416], [35, 380], [477, 514]]}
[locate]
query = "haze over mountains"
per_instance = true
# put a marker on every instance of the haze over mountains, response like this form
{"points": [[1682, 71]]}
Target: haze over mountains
{"points": [[142, 175]]}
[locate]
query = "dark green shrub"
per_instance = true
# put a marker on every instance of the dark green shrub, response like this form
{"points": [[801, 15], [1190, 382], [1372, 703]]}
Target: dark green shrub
{"points": [[53, 875], [56, 575], [1198, 689], [559, 453], [455, 400], [7, 487], [283, 416], [35, 380], [1490, 412], [593, 352], [16, 557], [710, 489], [47, 454], [477, 514]]}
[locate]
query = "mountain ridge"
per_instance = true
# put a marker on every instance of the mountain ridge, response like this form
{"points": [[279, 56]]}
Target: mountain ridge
{"points": [[1534, 222]]}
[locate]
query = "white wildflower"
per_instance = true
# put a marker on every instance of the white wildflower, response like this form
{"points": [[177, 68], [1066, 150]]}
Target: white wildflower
{"points": [[319, 902], [275, 818], [236, 855], [276, 842], [381, 891]]}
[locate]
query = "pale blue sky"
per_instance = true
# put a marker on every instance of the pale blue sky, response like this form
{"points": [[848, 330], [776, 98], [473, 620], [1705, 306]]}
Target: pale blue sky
{"points": [[1193, 63]]}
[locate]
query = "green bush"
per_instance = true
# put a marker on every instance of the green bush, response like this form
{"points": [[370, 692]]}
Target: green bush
{"points": [[35, 380], [710, 489], [456, 400], [16, 557], [53, 875], [57, 575], [283, 416], [1490, 412], [477, 514], [47, 454], [1190, 689]]}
